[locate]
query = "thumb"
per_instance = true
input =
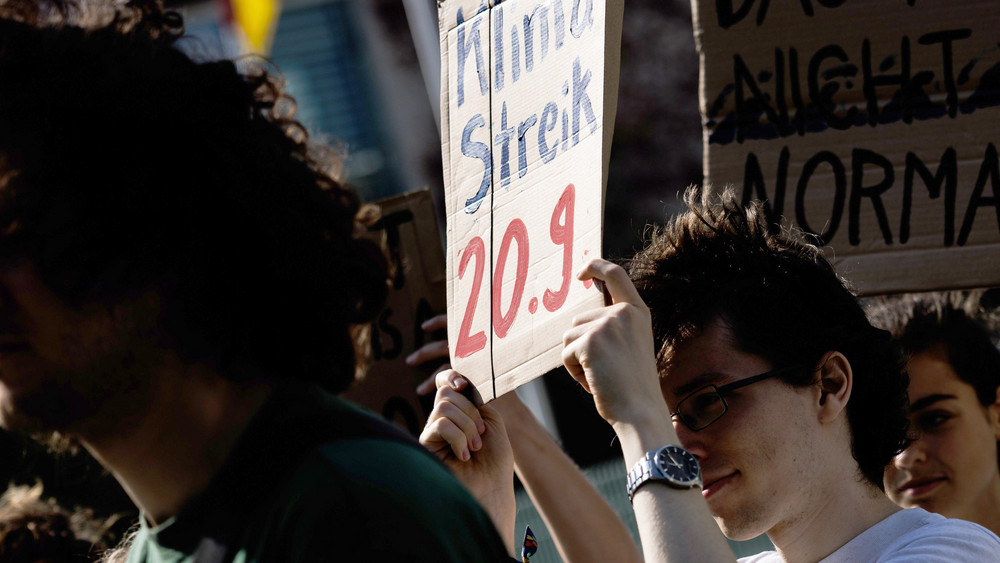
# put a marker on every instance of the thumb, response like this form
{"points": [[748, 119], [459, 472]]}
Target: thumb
{"points": [[494, 423]]}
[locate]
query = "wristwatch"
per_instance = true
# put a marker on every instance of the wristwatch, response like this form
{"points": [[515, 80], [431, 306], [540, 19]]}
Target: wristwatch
{"points": [[671, 465]]}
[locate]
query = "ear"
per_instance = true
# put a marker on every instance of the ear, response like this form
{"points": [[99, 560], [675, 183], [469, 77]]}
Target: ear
{"points": [[993, 411], [835, 384]]}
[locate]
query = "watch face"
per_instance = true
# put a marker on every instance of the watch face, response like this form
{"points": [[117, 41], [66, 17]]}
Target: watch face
{"points": [[678, 464]]}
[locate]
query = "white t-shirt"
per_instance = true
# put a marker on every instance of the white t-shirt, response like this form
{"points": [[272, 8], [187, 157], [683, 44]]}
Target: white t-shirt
{"points": [[912, 535]]}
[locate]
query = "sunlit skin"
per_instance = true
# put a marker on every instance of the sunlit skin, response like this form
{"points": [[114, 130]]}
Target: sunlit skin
{"points": [[768, 442], [951, 468]]}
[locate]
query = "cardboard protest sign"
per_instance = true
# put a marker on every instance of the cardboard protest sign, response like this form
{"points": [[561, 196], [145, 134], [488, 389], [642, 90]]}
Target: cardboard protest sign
{"points": [[529, 91], [406, 227], [872, 125]]}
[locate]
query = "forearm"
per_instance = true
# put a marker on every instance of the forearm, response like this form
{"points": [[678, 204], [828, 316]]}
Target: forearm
{"points": [[674, 525], [583, 525], [610, 351], [502, 509], [472, 442]]}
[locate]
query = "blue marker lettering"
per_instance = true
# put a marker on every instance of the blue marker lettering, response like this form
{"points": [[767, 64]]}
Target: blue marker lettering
{"points": [[559, 22], [522, 148], [539, 13], [498, 49], [481, 151], [515, 54], [463, 54], [550, 115], [503, 139], [581, 101], [578, 24]]}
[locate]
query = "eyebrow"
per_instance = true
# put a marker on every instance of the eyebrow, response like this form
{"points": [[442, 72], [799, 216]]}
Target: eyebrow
{"points": [[699, 382], [929, 400]]}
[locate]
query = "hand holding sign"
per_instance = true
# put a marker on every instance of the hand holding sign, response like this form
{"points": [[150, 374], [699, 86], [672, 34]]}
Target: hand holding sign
{"points": [[455, 429], [610, 352]]}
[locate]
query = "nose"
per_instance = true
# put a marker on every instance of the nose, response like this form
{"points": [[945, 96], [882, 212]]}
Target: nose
{"points": [[914, 454], [691, 441]]}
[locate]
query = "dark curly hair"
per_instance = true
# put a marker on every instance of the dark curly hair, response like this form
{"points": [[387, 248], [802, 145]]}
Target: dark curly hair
{"points": [[33, 528], [127, 166], [957, 323], [782, 301]]}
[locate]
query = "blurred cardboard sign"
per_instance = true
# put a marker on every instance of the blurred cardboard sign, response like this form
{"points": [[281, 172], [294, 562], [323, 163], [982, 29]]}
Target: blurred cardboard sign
{"points": [[870, 124], [406, 227], [528, 100]]}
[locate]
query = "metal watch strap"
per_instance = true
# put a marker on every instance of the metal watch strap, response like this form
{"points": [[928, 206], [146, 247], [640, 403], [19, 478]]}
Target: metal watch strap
{"points": [[639, 474], [646, 470]]}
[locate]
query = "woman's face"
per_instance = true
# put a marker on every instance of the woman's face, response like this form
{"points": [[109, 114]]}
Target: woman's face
{"points": [[951, 467]]}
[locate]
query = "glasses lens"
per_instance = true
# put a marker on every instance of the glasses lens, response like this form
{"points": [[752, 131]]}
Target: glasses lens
{"points": [[701, 408]]}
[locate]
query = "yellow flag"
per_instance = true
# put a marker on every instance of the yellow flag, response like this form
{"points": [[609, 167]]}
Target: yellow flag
{"points": [[258, 20]]}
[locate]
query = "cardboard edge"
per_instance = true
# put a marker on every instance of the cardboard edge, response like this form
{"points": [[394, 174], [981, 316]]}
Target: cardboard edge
{"points": [[526, 372], [879, 273], [417, 194], [613, 21], [445, 113], [697, 29]]}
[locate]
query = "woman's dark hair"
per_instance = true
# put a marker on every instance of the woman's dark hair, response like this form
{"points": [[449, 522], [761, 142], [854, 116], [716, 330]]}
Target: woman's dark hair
{"points": [[782, 301], [954, 322], [127, 166]]}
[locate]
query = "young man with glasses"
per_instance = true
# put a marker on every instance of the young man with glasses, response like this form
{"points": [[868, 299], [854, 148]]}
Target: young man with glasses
{"points": [[786, 403]]}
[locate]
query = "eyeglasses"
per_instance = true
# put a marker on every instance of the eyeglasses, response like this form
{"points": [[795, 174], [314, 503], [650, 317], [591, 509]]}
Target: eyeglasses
{"points": [[701, 408]]}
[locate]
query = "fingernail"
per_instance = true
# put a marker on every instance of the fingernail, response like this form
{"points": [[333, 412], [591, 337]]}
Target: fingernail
{"points": [[480, 426], [425, 324], [411, 359], [455, 382], [424, 387], [465, 455], [477, 443]]}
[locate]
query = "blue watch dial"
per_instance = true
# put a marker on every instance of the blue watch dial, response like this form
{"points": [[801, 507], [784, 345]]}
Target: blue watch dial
{"points": [[678, 464]]}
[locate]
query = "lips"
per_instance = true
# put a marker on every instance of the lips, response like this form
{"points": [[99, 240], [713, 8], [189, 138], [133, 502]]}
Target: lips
{"points": [[921, 486], [713, 485]]}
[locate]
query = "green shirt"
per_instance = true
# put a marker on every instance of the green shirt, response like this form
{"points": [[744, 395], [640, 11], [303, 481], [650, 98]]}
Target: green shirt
{"points": [[316, 479]]}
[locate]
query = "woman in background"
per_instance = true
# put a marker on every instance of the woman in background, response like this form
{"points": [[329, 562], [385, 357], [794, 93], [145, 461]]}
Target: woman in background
{"points": [[952, 465]]}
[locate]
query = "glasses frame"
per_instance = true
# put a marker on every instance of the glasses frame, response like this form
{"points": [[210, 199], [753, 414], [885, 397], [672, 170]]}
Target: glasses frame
{"points": [[725, 390]]}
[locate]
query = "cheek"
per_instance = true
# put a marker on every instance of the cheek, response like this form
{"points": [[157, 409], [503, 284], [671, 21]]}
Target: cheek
{"points": [[793, 452], [966, 452], [943, 447], [969, 449], [891, 476], [772, 449]]}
